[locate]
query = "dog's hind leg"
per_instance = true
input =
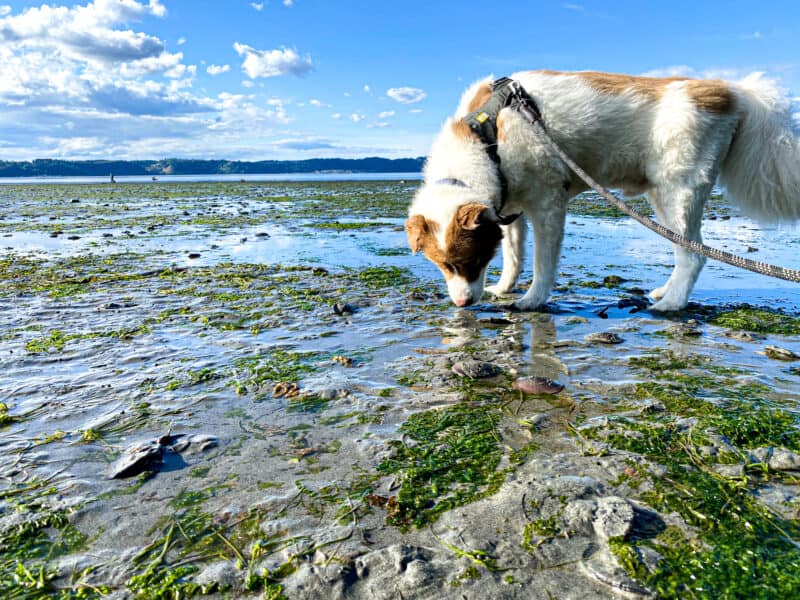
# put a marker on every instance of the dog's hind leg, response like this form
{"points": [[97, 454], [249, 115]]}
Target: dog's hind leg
{"points": [[681, 210], [548, 220], [513, 255]]}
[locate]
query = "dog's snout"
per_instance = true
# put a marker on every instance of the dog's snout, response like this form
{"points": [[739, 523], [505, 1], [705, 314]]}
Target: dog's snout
{"points": [[463, 301]]}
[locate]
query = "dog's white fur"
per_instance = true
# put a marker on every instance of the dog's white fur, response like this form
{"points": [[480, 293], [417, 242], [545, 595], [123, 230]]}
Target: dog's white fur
{"points": [[665, 144]]}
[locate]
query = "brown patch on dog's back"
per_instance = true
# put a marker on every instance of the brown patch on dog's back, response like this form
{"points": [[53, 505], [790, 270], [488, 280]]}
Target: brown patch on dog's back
{"points": [[480, 98], [617, 83], [711, 95]]}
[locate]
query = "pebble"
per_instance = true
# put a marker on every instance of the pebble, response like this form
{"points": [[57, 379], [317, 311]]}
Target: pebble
{"points": [[575, 320], [784, 460], [604, 337], [537, 385], [343, 309], [73, 237], [262, 234], [194, 255], [780, 353], [613, 518], [475, 369], [743, 336]]}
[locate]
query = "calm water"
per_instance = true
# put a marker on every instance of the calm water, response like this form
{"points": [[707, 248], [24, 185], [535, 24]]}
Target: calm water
{"points": [[320, 177]]}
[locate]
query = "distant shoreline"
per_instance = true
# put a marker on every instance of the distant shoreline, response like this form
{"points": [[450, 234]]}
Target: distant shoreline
{"points": [[180, 166], [210, 178]]}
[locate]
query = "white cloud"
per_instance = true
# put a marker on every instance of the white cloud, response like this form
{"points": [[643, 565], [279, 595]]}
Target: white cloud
{"points": [[248, 84], [574, 7], [356, 117], [85, 32], [181, 41], [288, 2], [5, 10], [217, 69], [756, 35], [259, 6], [386, 114], [367, 89], [406, 95], [415, 111], [378, 125], [271, 63], [336, 116]]}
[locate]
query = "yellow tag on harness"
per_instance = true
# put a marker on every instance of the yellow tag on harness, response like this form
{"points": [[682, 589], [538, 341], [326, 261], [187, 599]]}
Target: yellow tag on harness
{"points": [[481, 117]]}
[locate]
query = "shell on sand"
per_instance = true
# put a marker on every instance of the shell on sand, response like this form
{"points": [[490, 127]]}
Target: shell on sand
{"points": [[537, 385]]}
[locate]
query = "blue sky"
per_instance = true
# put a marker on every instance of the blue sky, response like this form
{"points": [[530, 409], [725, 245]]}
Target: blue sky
{"points": [[288, 79]]}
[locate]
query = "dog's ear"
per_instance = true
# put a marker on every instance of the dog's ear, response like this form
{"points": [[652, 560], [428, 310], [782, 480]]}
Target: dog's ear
{"points": [[470, 216], [417, 229]]}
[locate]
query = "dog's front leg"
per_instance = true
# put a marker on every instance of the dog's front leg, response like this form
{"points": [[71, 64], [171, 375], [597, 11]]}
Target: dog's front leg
{"points": [[513, 255], [548, 233]]}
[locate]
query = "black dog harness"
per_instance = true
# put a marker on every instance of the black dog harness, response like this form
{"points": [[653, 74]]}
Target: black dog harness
{"points": [[506, 92]]}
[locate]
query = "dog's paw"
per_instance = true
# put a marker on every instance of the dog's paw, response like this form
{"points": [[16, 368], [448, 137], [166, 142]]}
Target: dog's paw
{"points": [[658, 293], [497, 290], [523, 305], [668, 305]]}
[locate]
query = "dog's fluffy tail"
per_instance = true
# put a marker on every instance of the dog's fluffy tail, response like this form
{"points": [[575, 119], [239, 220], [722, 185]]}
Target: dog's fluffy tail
{"points": [[762, 169]]}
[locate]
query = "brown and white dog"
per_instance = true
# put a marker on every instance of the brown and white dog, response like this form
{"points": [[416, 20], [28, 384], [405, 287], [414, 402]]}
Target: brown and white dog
{"points": [[670, 138]]}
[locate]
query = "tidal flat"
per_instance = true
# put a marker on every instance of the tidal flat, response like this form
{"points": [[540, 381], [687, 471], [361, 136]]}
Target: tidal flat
{"points": [[254, 390]]}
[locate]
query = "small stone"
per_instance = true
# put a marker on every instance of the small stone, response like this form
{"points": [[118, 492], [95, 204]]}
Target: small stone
{"points": [[262, 234], [73, 237], [685, 423], [653, 407], [475, 369], [759, 455], [343, 309], [729, 471], [780, 353], [535, 421], [224, 574], [613, 280], [613, 518], [604, 337], [537, 385], [743, 336], [576, 320], [784, 460], [194, 255]]}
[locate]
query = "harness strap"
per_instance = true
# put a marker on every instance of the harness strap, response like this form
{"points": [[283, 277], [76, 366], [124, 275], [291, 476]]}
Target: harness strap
{"points": [[483, 122]]}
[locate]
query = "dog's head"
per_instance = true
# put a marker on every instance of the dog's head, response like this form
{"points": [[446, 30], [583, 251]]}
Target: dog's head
{"points": [[460, 241]]}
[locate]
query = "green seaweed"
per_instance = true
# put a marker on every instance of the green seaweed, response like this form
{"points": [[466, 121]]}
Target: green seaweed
{"points": [[454, 461], [759, 320]]}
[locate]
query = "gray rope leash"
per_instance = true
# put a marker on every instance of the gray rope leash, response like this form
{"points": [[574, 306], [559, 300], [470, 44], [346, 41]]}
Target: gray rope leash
{"points": [[696, 247]]}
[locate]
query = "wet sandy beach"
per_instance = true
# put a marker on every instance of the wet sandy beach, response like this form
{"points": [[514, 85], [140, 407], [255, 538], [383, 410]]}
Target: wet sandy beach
{"points": [[254, 390]]}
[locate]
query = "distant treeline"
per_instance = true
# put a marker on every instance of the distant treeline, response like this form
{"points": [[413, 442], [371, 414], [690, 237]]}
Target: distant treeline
{"points": [[42, 167]]}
